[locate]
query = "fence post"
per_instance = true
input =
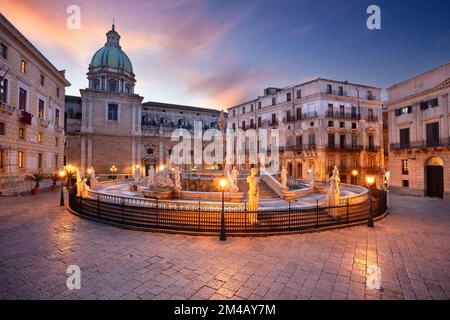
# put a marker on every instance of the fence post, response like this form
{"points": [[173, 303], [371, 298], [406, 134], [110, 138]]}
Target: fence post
{"points": [[289, 215], [347, 209], [317, 213], [123, 212], [199, 216], [98, 205]]}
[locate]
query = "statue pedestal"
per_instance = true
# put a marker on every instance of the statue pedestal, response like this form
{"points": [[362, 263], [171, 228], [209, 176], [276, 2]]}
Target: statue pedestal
{"points": [[177, 192], [333, 201]]}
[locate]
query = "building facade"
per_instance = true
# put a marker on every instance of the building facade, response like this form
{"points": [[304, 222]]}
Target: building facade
{"points": [[419, 120], [322, 123], [31, 112], [109, 127]]}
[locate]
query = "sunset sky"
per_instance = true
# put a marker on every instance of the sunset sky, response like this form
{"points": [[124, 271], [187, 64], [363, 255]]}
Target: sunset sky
{"points": [[222, 52]]}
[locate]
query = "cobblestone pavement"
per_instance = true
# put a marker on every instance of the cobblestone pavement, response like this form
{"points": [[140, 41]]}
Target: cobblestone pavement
{"points": [[39, 240]]}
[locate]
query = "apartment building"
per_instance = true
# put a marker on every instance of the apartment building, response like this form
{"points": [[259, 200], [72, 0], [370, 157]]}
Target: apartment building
{"points": [[31, 111], [321, 123], [419, 120]]}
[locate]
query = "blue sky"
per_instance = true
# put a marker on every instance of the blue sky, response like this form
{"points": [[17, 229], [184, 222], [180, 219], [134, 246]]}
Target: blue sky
{"points": [[218, 53]]}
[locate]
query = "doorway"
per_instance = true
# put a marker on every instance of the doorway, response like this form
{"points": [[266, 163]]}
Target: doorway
{"points": [[435, 177]]}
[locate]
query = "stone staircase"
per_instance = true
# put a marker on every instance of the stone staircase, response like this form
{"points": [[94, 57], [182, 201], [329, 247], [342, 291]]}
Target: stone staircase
{"points": [[265, 192]]}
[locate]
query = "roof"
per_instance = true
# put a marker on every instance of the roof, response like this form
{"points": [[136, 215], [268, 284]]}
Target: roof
{"points": [[178, 106], [419, 75], [72, 99], [112, 56], [59, 74]]}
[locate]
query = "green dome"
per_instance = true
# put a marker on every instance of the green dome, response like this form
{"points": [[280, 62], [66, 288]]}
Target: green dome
{"points": [[112, 56]]}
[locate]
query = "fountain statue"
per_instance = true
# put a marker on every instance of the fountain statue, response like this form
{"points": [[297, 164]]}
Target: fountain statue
{"points": [[177, 178], [253, 192], [79, 184], [312, 177], [234, 179], [284, 177], [93, 180], [151, 177], [333, 192]]}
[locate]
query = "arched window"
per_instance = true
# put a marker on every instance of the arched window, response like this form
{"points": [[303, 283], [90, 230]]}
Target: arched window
{"points": [[112, 85], [127, 88], [97, 84]]}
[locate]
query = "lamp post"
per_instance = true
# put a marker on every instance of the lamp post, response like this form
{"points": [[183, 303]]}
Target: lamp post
{"points": [[370, 181], [62, 174], [355, 175], [223, 184]]}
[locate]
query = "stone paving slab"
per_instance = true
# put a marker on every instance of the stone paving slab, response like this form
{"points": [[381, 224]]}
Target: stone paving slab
{"points": [[39, 240]]}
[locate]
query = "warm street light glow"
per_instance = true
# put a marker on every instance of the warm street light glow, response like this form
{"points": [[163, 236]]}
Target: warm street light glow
{"points": [[370, 180], [309, 170], [113, 168], [355, 173], [61, 173], [223, 183], [89, 171]]}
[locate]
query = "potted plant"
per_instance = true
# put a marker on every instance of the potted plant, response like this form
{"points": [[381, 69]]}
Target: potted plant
{"points": [[55, 177], [36, 178]]}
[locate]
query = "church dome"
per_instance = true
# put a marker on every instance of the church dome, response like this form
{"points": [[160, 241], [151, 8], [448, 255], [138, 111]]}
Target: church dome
{"points": [[112, 55]]}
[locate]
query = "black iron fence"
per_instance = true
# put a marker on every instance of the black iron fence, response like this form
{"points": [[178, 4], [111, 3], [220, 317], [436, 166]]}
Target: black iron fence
{"points": [[264, 221]]}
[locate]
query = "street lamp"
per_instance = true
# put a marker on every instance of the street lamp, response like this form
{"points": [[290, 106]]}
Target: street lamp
{"points": [[370, 181], [223, 183], [355, 175], [61, 175]]}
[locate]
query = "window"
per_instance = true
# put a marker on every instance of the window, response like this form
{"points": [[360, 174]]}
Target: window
{"points": [[341, 91], [330, 124], [405, 183], [330, 109], [274, 118], [299, 114], [251, 107], [42, 80], [233, 126], [23, 66], [329, 89], [23, 99], [341, 111], [113, 112], [405, 169], [3, 51], [2, 129], [243, 125], [312, 139], [4, 91], [259, 122], [39, 160], [57, 92], [150, 150], [311, 124], [56, 161], [259, 104], [369, 95], [432, 134], [252, 123], [112, 85], [234, 112], [371, 142], [127, 88], [354, 113], [342, 141], [404, 110], [288, 96], [56, 141], [299, 93], [21, 133], [331, 139], [243, 109], [404, 138], [40, 137], [274, 101], [56, 117], [41, 109], [288, 116], [97, 84], [429, 104], [341, 124], [354, 141], [299, 140], [20, 160]]}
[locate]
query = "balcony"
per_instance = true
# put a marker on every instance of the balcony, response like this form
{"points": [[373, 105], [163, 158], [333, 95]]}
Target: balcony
{"points": [[59, 129], [342, 115], [43, 123], [423, 144], [373, 148], [338, 147], [372, 118], [309, 115], [6, 108]]}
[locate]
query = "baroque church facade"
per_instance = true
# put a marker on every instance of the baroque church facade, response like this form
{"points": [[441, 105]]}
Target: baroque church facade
{"points": [[110, 128]]}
